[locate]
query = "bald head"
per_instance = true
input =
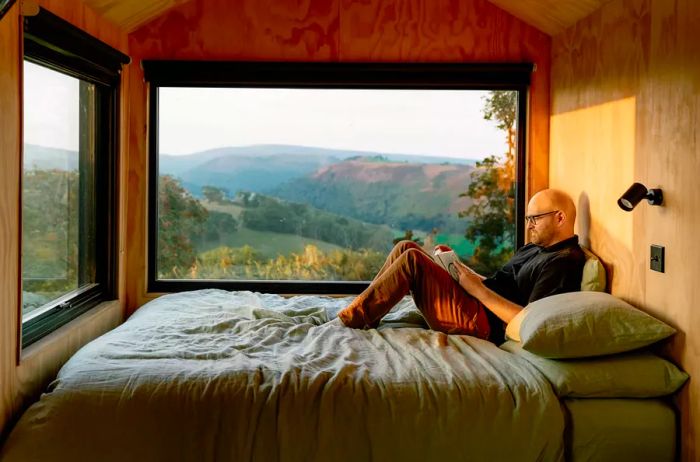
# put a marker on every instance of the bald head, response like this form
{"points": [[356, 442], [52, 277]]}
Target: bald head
{"points": [[555, 226]]}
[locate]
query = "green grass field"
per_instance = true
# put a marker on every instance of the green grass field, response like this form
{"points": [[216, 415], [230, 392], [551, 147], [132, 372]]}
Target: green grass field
{"points": [[232, 209], [269, 244]]}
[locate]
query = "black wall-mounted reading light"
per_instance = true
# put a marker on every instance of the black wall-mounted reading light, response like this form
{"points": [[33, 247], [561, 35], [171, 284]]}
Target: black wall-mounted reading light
{"points": [[636, 193]]}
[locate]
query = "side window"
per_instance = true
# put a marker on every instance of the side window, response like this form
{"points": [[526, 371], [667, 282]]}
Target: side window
{"points": [[299, 178], [70, 86]]}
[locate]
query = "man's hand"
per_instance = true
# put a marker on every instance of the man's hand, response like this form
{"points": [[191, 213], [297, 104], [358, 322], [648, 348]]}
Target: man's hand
{"points": [[472, 282], [469, 279]]}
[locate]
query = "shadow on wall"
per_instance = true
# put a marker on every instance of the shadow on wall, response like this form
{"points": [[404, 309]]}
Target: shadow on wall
{"points": [[583, 220], [583, 223]]}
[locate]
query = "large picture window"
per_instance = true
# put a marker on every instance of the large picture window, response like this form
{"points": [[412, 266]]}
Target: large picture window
{"points": [[70, 85], [299, 178]]}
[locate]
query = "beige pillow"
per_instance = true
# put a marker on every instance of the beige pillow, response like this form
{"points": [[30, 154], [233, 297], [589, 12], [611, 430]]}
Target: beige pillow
{"points": [[593, 273], [593, 279], [513, 327], [637, 374], [583, 324]]}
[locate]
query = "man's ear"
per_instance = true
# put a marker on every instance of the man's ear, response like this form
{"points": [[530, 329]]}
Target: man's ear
{"points": [[561, 218]]}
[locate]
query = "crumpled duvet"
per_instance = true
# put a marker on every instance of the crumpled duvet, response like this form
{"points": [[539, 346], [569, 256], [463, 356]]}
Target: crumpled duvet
{"points": [[212, 375]]}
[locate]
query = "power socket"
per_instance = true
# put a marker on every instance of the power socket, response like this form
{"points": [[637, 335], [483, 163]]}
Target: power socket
{"points": [[657, 258]]}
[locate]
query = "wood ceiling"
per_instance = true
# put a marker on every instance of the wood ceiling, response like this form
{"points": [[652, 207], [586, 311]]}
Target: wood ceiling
{"points": [[131, 14], [550, 16]]}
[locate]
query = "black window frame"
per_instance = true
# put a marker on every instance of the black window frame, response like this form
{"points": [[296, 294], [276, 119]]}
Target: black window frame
{"points": [[56, 44], [321, 75]]}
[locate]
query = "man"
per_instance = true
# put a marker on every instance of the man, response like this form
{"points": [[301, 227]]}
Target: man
{"points": [[550, 264]]}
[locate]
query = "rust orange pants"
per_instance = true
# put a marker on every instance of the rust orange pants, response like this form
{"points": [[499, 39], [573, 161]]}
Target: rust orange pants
{"points": [[445, 305]]}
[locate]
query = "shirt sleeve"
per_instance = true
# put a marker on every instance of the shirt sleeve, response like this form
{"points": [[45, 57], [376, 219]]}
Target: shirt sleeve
{"points": [[559, 275]]}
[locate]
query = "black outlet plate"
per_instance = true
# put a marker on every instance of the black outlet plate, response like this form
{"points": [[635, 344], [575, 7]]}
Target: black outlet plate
{"points": [[657, 257]]}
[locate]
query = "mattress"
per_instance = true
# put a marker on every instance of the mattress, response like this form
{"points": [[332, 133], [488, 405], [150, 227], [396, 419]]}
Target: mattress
{"points": [[221, 376], [620, 430]]}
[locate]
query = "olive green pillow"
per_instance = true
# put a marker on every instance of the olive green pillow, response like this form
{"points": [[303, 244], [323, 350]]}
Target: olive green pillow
{"points": [[637, 374], [583, 324], [593, 277]]}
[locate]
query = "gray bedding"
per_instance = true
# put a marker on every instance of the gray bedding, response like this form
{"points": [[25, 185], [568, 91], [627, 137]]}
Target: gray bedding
{"points": [[234, 376]]}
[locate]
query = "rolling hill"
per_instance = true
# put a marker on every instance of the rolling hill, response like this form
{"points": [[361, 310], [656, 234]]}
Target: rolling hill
{"points": [[43, 158], [401, 195], [261, 168]]}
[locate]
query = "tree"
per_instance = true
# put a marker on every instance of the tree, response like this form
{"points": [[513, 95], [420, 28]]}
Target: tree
{"points": [[214, 194], [50, 227], [180, 216], [492, 189], [407, 236]]}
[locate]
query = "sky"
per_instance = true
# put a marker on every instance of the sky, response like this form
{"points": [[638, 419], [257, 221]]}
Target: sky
{"points": [[426, 122], [445, 123], [51, 116]]}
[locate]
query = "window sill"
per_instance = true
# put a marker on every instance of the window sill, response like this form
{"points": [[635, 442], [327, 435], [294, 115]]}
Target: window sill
{"points": [[67, 339]]}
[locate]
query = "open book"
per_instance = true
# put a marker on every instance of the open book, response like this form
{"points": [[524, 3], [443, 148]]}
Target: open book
{"points": [[447, 259]]}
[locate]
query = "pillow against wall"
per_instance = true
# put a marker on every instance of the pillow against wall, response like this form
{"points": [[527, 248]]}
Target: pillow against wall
{"points": [[593, 272], [583, 324], [626, 375]]}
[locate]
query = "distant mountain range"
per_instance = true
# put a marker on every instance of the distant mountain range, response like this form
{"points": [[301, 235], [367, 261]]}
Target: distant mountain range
{"points": [[403, 191], [261, 168], [44, 158]]}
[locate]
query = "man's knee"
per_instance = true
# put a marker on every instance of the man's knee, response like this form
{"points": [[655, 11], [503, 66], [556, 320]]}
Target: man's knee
{"points": [[414, 256], [406, 245]]}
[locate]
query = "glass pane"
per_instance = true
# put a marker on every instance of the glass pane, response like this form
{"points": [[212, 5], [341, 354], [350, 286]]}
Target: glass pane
{"points": [[318, 184], [57, 203]]}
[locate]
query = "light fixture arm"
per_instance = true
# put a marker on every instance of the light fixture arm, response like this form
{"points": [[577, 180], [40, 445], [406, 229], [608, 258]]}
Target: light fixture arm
{"points": [[655, 197]]}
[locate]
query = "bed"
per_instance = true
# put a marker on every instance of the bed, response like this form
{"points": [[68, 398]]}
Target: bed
{"points": [[232, 376]]}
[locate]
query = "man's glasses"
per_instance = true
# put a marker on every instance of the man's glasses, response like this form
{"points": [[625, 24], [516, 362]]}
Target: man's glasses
{"points": [[532, 219]]}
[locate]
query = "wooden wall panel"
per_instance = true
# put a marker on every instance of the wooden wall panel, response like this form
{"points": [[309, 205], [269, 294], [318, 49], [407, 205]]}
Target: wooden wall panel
{"points": [[396, 30], [135, 191], [626, 107], [21, 380], [243, 30], [332, 30], [9, 209]]}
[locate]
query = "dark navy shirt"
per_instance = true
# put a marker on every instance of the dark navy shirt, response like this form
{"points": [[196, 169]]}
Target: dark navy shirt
{"points": [[536, 272]]}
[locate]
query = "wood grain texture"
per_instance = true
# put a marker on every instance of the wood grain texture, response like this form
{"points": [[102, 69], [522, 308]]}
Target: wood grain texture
{"points": [[10, 91], [135, 186], [331, 30], [20, 383], [550, 16], [80, 15], [130, 14], [645, 51], [243, 30]]}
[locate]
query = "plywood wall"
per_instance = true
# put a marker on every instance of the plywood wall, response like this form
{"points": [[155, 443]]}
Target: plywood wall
{"points": [[332, 30], [626, 107], [9, 208], [21, 380]]}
